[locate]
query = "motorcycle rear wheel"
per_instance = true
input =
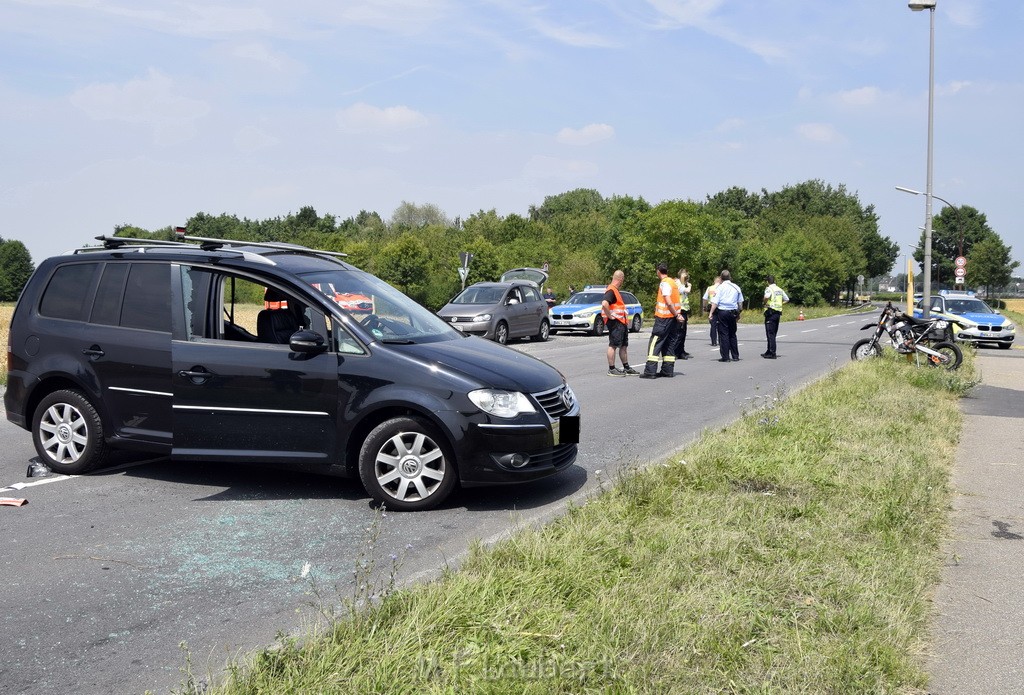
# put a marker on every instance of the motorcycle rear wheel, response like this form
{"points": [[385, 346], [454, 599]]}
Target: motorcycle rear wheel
{"points": [[952, 356], [865, 349]]}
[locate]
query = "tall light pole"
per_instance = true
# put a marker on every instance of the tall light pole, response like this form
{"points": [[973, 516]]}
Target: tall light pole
{"points": [[917, 7], [956, 211]]}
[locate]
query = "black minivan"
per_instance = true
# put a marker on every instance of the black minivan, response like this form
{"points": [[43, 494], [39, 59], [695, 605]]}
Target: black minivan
{"points": [[271, 353]]}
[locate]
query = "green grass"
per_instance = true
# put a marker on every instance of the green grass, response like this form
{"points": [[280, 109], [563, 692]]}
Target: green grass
{"points": [[794, 552]]}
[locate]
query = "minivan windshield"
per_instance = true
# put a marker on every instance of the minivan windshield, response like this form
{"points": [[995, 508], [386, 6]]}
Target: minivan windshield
{"points": [[391, 316]]}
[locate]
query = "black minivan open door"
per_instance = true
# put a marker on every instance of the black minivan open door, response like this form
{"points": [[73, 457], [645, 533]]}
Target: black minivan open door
{"points": [[238, 398]]}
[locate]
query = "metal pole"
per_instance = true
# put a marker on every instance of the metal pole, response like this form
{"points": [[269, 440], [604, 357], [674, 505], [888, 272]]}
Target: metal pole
{"points": [[926, 304]]}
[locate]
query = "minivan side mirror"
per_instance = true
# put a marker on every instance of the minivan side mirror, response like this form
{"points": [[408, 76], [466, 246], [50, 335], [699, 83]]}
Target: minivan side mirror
{"points": [[307, 341]]}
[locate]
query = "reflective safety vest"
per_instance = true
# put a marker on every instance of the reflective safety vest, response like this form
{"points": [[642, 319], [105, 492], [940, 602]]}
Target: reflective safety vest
{"points": [[684, 296], [662, 310], [776, 297], [617, 309]]}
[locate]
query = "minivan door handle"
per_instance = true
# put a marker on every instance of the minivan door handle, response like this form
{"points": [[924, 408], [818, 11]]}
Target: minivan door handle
{"points": [[93, 351]]}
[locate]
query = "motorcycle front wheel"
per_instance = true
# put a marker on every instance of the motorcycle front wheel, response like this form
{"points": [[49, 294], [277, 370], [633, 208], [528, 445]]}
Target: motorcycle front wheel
{"points": [[865, 349], [951, 358]]}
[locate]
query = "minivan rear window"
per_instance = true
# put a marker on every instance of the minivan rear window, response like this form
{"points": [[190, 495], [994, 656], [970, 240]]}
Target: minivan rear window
{"points": [[147, 299], [67, 293]]}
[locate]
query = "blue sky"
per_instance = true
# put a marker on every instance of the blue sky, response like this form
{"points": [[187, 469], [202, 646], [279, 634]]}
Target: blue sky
{"points": [[142, 112]]}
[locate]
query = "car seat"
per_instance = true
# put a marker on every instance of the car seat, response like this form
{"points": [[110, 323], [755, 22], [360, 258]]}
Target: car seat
{"points": [[277, 325]]}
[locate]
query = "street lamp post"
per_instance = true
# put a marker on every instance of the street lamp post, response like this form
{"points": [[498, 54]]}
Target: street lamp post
{"points": [[954, 208], [917, 7]]}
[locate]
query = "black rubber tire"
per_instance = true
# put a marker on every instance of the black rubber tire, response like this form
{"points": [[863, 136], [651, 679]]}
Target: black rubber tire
{"points": [[863, 350], [501, 333], [411, 445], [599, 326], [1005, 346], [68, 433], [636, 324], [951, 350], [543, 333]]}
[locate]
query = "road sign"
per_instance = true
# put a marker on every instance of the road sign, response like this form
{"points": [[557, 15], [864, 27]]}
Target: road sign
{"points": [[960, 272], [465, 257], [959, 281], [463, 272], [960, 261]]}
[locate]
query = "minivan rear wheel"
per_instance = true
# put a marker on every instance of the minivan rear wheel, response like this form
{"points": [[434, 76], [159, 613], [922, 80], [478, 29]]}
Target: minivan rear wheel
{"points": [[68, 433], [406, 465]]}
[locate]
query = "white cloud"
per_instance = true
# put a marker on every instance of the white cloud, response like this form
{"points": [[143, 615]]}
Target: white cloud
{"points": [[543, 167], [363, 118], [263, 55], [818, 132], [730, 124], [570, 36], [251, 139], [964, 14], [863, 96], [587, 135], [700, 14], [688, 12], [952, 88], [153, 101]]}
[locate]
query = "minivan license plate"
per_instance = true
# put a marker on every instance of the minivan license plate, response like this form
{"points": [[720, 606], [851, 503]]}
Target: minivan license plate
{"points": [[567, 429]]}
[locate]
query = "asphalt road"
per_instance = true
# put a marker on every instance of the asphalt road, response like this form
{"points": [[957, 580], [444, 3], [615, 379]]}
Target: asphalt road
{"points": [[106, 575]]}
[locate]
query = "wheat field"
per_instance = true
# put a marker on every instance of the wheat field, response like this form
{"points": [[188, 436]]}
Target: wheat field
{"points": [[6, 311]]}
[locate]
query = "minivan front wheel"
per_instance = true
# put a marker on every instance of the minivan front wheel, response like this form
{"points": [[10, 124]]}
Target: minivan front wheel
{"points": [[405, 465], [68, 433]]}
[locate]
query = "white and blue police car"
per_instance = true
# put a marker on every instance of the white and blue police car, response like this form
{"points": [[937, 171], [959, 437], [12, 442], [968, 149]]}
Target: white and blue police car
{"points": [[978, 322], [582, 311]]}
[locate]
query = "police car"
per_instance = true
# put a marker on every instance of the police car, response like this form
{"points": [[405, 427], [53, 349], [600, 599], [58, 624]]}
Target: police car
{"points": [[582, 311], [979, 323]]}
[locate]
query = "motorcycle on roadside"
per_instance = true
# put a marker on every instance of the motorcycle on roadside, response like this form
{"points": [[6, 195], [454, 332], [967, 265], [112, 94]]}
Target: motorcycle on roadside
{"points": [[909, 336]]}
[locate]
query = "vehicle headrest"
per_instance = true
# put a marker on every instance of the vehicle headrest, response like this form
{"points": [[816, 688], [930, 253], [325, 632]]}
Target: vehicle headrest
{"points": [[272, 294]]}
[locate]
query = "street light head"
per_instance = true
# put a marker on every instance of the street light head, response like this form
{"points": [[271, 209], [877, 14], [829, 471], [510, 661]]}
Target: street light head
{"points": [[908, 190], [922, 5]]}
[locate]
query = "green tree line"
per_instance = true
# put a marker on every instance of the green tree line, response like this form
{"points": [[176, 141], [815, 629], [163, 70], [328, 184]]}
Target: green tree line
{"points": [[816, 239]]}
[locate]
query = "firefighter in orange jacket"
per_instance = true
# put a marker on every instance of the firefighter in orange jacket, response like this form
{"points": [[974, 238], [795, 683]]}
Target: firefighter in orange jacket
{"points": [[668, 318], [616, 319]]}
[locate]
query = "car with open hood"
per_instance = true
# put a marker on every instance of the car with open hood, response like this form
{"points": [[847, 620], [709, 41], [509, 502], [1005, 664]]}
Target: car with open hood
{"points": [[502, 311]]}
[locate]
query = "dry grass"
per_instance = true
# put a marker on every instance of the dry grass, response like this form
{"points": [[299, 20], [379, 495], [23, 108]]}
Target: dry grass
{"points": [[6, 311], [1015, 305]]}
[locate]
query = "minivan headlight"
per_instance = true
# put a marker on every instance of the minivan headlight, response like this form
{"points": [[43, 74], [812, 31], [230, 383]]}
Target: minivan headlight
{"points": [[480, 318], [501, 403]]}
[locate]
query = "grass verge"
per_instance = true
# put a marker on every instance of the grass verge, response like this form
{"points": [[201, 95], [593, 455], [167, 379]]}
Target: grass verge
{"points": [[794, 551]]}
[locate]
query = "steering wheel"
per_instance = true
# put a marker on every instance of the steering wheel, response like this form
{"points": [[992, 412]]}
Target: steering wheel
{"points": [[371, 321]]}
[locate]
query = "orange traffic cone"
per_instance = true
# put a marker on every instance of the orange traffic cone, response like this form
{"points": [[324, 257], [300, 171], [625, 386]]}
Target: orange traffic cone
{"points": [[801, 316]]}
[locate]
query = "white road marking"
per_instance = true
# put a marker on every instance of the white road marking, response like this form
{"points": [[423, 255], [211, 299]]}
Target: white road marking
{"points": [[809, 330], [834, 325], [42, 481]]}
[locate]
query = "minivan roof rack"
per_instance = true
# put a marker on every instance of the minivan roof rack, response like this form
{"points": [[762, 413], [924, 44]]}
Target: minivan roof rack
{"points": [[111, 243], [205, 243], [116, 242], [210, 244]]}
